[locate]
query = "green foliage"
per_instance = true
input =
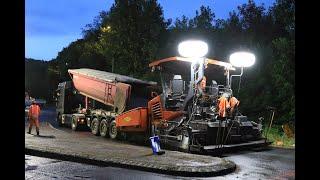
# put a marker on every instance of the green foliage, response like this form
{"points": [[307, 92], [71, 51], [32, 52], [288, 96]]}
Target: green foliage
{"points": [[270, 35], [131, 35], [36, 78], [276, 134], [204, 20], [283, 75]]}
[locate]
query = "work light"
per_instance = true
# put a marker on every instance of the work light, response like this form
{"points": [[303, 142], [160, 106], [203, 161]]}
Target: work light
{"points": [[193, 49], [242, 59]]}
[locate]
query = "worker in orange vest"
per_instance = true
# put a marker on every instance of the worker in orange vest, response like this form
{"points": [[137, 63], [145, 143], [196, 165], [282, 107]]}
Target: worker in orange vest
{"points": [[223, 106], [227, 107], [34, 112]]}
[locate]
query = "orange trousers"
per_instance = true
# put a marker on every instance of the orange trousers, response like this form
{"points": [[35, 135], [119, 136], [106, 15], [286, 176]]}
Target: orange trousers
{"points": [[33, 121]]}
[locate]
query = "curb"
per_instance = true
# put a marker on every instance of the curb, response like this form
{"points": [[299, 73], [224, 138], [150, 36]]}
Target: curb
{"points": [[222, 169]]}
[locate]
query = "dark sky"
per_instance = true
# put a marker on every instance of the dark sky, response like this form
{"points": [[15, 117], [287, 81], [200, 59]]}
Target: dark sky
{"points": [[52, 25]]}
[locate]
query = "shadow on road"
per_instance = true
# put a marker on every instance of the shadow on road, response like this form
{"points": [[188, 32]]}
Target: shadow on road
{"points": [[28, 168], [44, 136], [240, 150]]}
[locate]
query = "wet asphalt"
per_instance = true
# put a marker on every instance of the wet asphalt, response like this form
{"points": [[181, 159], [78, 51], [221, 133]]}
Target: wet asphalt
{"points": [[274, 163]]}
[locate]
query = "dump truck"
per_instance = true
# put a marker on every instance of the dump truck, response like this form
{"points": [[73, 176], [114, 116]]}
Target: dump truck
{"points": [[103, 101], [188, 114]]}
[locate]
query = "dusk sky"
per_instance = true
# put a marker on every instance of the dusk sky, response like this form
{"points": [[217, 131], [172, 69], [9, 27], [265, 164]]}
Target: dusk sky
{"points": [[52, 25]]}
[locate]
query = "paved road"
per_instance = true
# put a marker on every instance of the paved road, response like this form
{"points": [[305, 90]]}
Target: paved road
{"points": [[273, 164], [44, 168], [270, 164]]}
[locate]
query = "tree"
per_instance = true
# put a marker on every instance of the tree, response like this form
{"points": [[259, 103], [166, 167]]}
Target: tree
{"points": [[133, 37], [283, 74], [182, 24], [36, 78], [283, 16], [283, 70], [204, 20]]}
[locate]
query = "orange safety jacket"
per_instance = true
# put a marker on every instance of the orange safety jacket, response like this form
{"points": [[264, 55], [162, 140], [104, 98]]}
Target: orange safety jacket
{"points": [[34, 110], [224, 104]]}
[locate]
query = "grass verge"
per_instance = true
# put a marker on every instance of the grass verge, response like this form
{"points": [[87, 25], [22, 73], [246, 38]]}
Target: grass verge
{"points": [[279, 138]]}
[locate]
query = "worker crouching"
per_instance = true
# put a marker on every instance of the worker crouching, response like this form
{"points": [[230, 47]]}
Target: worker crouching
{"points": [[227, 105], [34, 112]]}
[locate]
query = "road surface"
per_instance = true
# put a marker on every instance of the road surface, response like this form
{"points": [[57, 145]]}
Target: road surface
{"points": [[273, 164], [268, 164]]}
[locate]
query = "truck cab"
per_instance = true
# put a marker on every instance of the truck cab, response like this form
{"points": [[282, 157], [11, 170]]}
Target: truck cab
{"points": [[68, 104]]}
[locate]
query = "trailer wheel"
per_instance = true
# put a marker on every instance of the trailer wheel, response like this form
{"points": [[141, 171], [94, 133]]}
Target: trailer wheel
{"points": [[113, 130], [95, 127], [59, 120], [74, 123], [104, 128]]}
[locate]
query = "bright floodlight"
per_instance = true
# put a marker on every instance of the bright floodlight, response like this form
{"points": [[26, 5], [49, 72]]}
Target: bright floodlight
{"points": [[242, 59], [193, 49]]}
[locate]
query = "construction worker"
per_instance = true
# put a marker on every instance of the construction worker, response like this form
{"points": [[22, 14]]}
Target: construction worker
{"points": [[227, 106], [224, 105], [202, 85], [34, 112]]}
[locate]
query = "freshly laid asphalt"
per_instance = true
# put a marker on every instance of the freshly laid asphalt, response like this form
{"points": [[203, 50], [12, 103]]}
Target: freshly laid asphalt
{"points": [[59, 144], [278, 164]]}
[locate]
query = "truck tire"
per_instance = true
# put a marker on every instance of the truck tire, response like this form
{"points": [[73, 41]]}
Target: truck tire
{"points": [[74, 123], [104, 128], [113, 130], [95, 127], [59, 120]]}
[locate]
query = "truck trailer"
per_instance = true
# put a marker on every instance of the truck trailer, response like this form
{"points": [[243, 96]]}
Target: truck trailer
{"points": [[192, 113], [102, 101]]}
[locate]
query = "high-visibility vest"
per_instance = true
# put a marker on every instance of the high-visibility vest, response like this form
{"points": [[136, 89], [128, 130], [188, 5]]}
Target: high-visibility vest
{"points": [[223, 106], [34, 110]]}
